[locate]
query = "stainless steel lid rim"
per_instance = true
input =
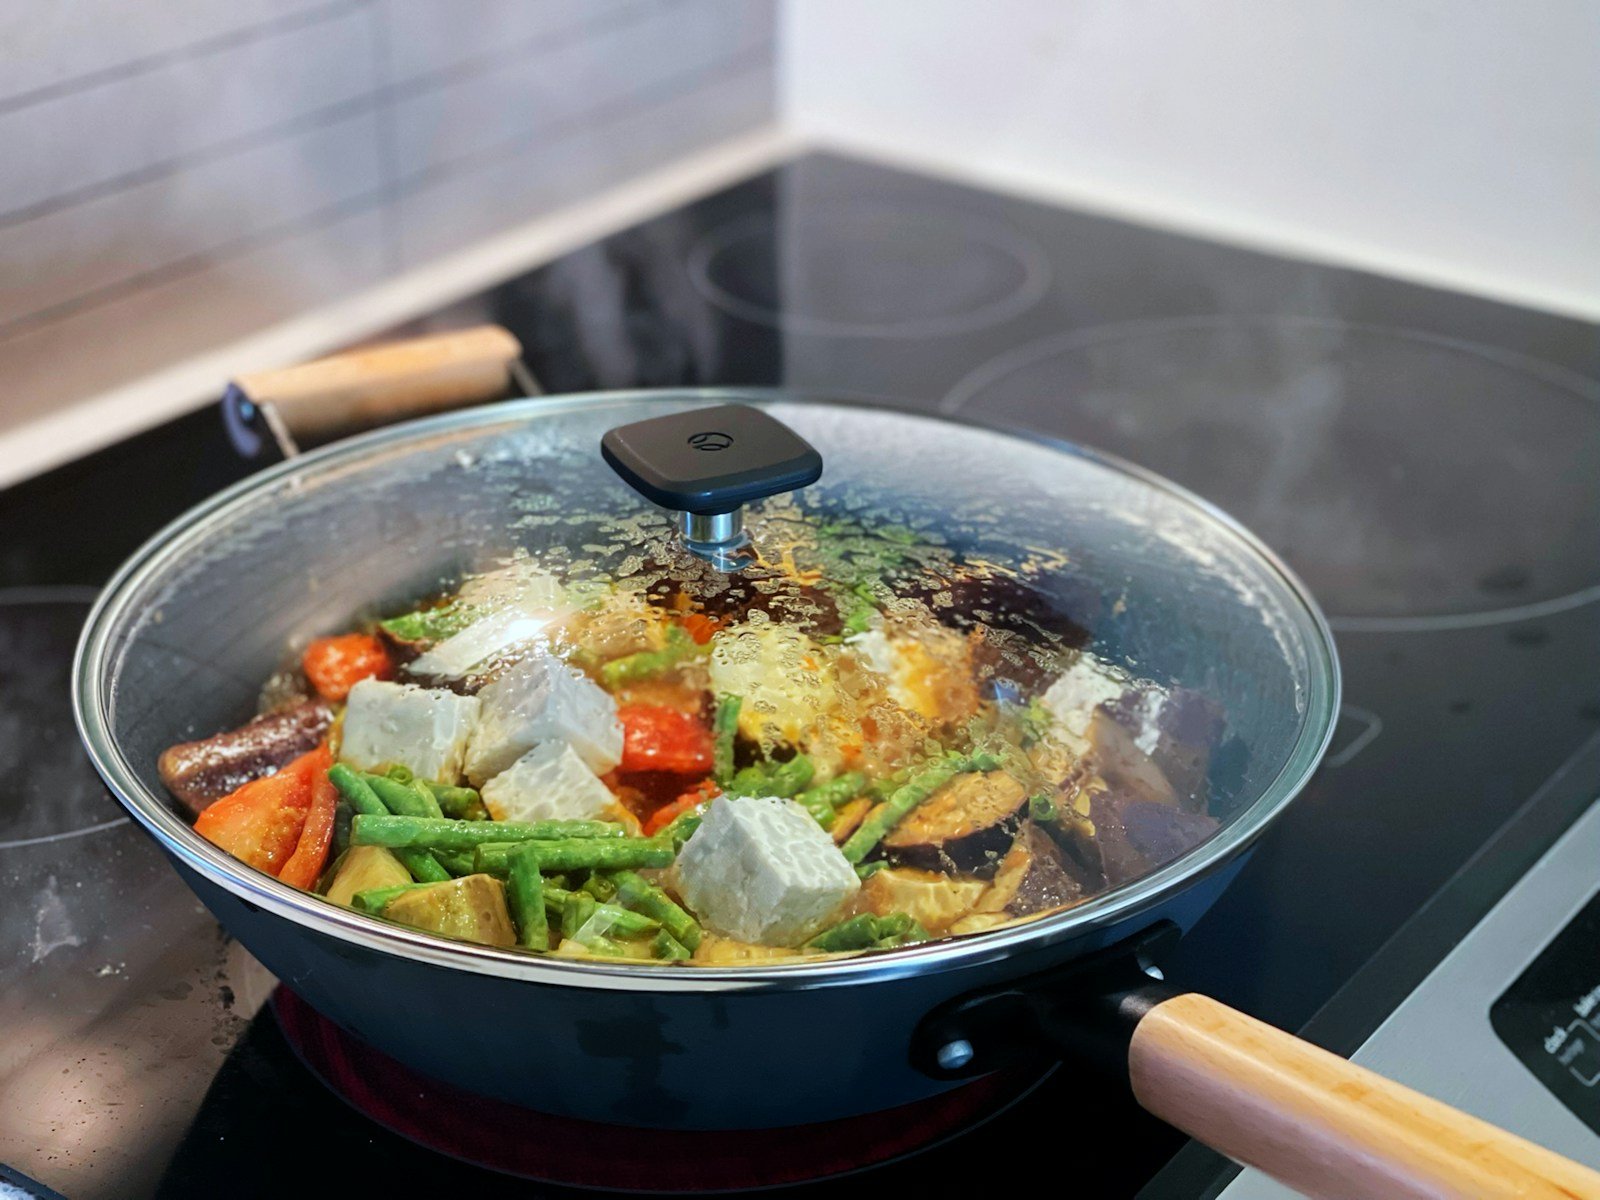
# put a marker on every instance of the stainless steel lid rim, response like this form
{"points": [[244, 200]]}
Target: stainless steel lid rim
{"points": [[154, 813]]}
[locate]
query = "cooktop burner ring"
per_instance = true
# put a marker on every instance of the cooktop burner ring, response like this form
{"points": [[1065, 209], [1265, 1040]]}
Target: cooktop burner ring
{"points": [[38, 635], [1002, 272], [1441, 477]]}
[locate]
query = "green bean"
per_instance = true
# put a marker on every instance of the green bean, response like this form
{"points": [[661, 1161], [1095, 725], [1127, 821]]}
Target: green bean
{"points": [[821, 800], [856, 933], [439, 833], [600, 887], [462, 803], [647, 664], [364, 801], [457, 862], [578, 854], [1041, 807], [724, 729], [525, 895], [343, 814], [638, 893], [430, 624], [375, 900], [681, 828], [399, 772], [575, 913], [405, 799], [668, 948], [907, 796]]}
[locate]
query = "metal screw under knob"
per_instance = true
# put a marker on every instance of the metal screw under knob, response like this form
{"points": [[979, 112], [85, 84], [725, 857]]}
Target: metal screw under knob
{"points": [[706, 464]]}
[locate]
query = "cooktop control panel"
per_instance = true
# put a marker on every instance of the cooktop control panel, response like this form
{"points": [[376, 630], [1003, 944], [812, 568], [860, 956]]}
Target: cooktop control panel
{"points": [[1550, 1017], [1507, 1027]]}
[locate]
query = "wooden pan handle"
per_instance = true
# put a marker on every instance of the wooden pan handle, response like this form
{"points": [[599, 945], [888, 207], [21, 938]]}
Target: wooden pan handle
{"points": [[1324, 1126], [375, 384]]}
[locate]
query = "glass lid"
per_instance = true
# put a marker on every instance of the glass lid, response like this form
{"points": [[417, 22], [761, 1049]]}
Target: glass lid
{"points": [[462, 680]]}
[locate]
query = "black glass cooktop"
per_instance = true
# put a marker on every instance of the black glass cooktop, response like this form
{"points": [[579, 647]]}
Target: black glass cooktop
{"points": [[1429, 462]]}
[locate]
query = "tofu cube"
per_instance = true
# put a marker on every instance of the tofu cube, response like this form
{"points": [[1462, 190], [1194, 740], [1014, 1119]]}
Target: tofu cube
{"points": [[1073, 698], [425, 729], [760, 869], [541, 699], [548, 783]]}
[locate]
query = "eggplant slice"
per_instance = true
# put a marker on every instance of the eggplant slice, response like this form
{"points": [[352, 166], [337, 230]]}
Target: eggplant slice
{"points": [[964, 828], [200, 772]]}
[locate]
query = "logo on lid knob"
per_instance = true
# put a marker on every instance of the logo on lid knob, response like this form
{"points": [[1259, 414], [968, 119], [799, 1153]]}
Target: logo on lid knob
{"points": [[710, 439]]}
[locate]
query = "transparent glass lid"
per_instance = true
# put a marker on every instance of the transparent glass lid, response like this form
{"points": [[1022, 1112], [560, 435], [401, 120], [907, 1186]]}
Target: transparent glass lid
{"points": [[1154, 680]]}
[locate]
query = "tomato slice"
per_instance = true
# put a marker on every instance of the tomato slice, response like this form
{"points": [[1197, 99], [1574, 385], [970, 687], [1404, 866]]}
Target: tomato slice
{"points": [[668, 813], [261, 823], [334, 665], [658, 738], [311, 852]]}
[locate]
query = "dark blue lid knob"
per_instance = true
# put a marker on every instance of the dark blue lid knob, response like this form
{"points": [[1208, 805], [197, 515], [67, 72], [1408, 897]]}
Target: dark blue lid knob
{"points": [[706, 464]]}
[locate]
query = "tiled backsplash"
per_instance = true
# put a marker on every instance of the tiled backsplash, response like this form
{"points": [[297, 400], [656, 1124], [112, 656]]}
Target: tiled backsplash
{"points": [[180, 174]]}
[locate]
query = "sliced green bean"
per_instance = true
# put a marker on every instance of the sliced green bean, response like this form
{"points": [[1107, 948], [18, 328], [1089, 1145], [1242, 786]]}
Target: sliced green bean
{"points": [[907, 796], [405, 799], [578, 854], [457, 862], [440, 833], [375, 900], [358, 791], [461, 803], [821, 800], [856, 933], [647, 664], [575, 912], [638, 893], [399, 772], [668, 948], [681, 828], [724, 730], [525, 896], [600, 886]]}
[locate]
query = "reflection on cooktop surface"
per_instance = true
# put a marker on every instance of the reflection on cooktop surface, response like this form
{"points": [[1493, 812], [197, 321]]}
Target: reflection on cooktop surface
{"points": [[867, 271], [1412, 480]]}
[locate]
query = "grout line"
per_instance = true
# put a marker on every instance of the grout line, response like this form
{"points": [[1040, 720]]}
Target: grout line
{"points": [[381, 97], [197, 261], [134, 67], [665, 90], [117, 413]]}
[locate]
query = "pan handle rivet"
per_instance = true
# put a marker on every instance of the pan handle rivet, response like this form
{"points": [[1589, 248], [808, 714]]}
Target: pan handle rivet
{"points": [[954, 1055]]}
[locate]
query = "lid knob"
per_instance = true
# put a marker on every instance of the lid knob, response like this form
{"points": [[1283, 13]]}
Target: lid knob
{"points": [[706, 465]]}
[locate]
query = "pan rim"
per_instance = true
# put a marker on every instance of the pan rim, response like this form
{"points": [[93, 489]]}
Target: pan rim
{"points": [[154, 813]]}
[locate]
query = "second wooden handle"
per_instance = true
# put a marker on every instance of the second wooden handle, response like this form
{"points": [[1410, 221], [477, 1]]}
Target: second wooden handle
{"points": [[1322, 1125], [377, 383]]}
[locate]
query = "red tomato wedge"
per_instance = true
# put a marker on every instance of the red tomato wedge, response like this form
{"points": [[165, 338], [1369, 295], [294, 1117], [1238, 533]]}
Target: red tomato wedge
{"points": [[658, 738], [311, 853], [334, 665], [701, 627], [668, 813], [261, 823]]}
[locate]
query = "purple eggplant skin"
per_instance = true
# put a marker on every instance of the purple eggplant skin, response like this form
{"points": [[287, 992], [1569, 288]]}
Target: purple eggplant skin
{"points": [[1053, 880], [1178, 729], [197, 773], [1134, 836], [965, 828]]}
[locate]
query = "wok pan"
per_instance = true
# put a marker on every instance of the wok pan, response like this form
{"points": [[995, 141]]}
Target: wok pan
{"points": [[181, 637]]}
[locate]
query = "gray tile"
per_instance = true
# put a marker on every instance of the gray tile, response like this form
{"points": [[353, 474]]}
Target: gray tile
{"points": [[50, 43], [546, 91], [184, 111], [459, 209], [67, 256], [429, 37], [73, 359]]}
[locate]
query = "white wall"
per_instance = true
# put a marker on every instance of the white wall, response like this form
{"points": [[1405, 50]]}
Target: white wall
{"points": [[1451, 141]]}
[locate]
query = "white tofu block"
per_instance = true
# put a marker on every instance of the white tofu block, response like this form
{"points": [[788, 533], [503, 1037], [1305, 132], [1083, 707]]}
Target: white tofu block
{"points": [[548, 783], [541, 699], [760, 869], [1083, 687], [425, 729]]}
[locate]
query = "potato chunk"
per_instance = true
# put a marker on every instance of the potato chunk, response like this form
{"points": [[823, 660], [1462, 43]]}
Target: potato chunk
{"points": [[472, 909]]}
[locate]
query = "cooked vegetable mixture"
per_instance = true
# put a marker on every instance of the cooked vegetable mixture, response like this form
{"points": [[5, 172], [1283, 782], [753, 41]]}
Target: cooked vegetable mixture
{"points": [[848, 747]]}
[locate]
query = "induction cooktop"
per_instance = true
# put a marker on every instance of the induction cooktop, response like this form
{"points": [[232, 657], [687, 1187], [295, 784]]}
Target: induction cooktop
{"points": [[1429, 462]]}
